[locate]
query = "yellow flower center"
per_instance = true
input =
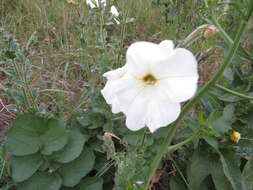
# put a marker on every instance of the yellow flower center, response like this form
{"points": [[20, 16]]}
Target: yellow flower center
{"points": [[149, 79]]}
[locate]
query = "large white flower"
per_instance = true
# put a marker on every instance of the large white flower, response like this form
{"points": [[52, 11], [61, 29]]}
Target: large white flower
{"points": [[96, 3], [151, 85]]}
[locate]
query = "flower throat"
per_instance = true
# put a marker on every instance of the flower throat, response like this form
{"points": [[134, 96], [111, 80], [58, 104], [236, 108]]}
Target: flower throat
{"points": [[149, 79]]}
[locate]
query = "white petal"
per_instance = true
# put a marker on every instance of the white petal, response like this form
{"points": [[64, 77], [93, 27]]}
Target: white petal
{"points": [[126, 90], [114, 11], [137, 111], [161, 112], [109, 94], [116, 20], [179, 89], [180, 63], [103, 2], [115, 74], [141, 55], [91, 4], [167, 46]]}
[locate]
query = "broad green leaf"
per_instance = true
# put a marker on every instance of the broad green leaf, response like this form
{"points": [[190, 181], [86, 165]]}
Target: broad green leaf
{"points": [[199, 169], [41, 181], [245, 145], [248, 175], [73, 149], [211, 141], [133, 138], [228, 112], [24, 167], [176, 183], [223, 124], [74, 171], [30, 133], [55, 138], [23, 137], [213, 117], [231, 169], [220, 180], [91, 183]]}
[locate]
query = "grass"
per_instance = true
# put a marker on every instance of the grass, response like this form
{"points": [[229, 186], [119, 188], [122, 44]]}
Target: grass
{"points": [[68, 47]]}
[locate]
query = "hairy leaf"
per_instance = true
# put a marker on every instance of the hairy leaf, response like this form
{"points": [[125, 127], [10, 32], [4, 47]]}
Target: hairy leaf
{"points": [[42, 181], [74, 171], [25, 166], [91, 183], [73, 149], [31, 133]]}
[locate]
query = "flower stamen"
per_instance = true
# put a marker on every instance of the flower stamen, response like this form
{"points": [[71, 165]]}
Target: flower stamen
{"points": [[149, 79]]}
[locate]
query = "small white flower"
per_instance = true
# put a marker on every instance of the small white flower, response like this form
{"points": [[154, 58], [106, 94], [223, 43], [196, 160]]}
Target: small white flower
{"points": [[116, 20], [114, 11], [151, 85], [96, 3]]}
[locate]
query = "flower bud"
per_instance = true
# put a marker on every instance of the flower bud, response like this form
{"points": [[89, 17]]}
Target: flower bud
{"points": [[72, 2], [235, 136], [205, 30], [210, 30]]}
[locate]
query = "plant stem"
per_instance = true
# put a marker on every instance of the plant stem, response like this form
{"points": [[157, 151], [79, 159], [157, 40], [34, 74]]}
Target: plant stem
{"points": [[233, 92], [203, 91], [172, 148], [17, 71], [179, 171]]}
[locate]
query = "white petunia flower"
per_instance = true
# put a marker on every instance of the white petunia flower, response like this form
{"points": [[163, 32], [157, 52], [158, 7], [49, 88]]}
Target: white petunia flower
{"points": [[114, 11], [151, 85], [96, 3]]}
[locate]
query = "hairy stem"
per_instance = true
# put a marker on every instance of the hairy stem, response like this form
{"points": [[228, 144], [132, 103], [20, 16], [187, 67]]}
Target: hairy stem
{"points": [[233, 92], [172, 148]]}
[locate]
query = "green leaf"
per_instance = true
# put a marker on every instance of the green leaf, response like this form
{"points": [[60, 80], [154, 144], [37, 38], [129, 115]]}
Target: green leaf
{"points": [[42, 181], [10, 54], [229, 98], [210, 102], [91, 183], [247, 118], [73, 149], [74, 171], [199, 169], [17, 96], [55, 138], [248, 175], [176, 183], [213, 117], [25, 166], [228, 112], [211, 141], [231, 169], [23, 137], [220, 180], [30, 133], [223, 124]]}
